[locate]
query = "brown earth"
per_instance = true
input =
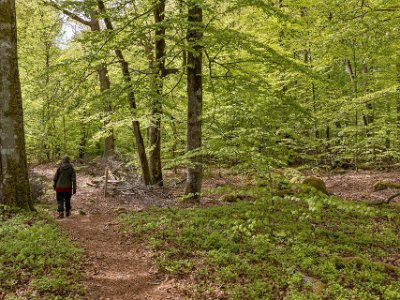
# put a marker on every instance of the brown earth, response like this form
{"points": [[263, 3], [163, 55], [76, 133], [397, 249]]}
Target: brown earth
{"points": [[358, 185], [116, 266]]}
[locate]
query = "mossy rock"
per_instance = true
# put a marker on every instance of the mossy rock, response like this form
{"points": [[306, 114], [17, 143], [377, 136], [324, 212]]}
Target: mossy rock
{"points": [[232, 197], [317, 285], [316, 183], [383, 185]]}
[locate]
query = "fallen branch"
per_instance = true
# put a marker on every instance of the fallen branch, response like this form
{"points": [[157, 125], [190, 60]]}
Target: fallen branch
{"points": [[114, 181], [127, 193], [180, 182], [386, 201]]}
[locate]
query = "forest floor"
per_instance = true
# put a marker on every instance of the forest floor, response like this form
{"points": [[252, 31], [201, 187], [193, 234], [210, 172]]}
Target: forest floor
{"points": [[118, 266], [353, 185]]}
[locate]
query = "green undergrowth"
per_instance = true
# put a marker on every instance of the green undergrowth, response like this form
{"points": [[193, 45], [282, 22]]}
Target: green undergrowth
{"points": [[36, 261], [304, 247]]}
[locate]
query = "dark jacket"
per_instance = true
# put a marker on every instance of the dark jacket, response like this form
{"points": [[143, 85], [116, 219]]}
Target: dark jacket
{"points": [[65, 178]]}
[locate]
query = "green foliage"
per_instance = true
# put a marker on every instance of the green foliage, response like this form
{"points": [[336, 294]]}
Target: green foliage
{"points": [[35, 260], [287, 82], [306, 247]]}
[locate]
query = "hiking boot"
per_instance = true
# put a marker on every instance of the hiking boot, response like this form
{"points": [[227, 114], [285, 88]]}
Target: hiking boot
{"points": [[68, 214], [60, 215]]}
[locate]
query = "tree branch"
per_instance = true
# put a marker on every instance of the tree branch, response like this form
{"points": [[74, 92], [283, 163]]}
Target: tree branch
{"points": [[388, 9], [68, 13], [171, 71], [106, 19]]}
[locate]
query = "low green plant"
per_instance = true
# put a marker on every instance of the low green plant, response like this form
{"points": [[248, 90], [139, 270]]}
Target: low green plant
{"points": [[296, 247], [36, 261]]}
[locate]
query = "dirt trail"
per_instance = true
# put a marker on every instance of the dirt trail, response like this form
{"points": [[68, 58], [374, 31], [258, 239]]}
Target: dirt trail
{"points": [[116, 267]]}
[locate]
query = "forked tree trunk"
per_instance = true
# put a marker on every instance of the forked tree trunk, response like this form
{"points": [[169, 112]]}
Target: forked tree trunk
{"points": [[195, 100], [14, 182]]}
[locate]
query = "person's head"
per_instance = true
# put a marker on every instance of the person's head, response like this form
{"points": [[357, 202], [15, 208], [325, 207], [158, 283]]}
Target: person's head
{"points": [[66, 159]]}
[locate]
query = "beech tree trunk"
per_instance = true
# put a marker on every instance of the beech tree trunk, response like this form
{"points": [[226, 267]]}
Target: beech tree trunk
{"points": [[156, 111], [368, 117], [132, 103], [195, 100], [83, 139], [14, 181], [44, 154], [105, 85]]}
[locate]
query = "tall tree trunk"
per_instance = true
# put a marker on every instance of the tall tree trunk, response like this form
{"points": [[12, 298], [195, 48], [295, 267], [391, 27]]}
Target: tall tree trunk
{"points": [[368, 118], [195, 99], [82, 142], [308, 60], [175, 143], [105, 85], [44, 149], [156, 111], [354, 79], [132, 103], [14, 182]]}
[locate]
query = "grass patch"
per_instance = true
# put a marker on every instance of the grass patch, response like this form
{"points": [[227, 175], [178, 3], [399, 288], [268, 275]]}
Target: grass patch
{"points": [[36, 261], [308, 247]]}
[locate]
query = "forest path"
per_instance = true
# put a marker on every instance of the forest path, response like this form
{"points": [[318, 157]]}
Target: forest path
{"points": [[116, 266]]}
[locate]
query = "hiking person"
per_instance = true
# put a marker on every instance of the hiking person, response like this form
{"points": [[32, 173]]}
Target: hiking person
{"points": [[65, 186]]}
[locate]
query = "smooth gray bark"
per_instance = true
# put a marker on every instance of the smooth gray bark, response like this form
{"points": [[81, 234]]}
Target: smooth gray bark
{"points": [[195, 100], [14, 181]]}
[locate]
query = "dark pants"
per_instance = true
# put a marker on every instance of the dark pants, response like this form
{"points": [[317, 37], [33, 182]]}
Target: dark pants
{"points": [[64, 198]]}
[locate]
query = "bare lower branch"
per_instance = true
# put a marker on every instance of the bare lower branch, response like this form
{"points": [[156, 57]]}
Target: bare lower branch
{"points": [[68, 13]]}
